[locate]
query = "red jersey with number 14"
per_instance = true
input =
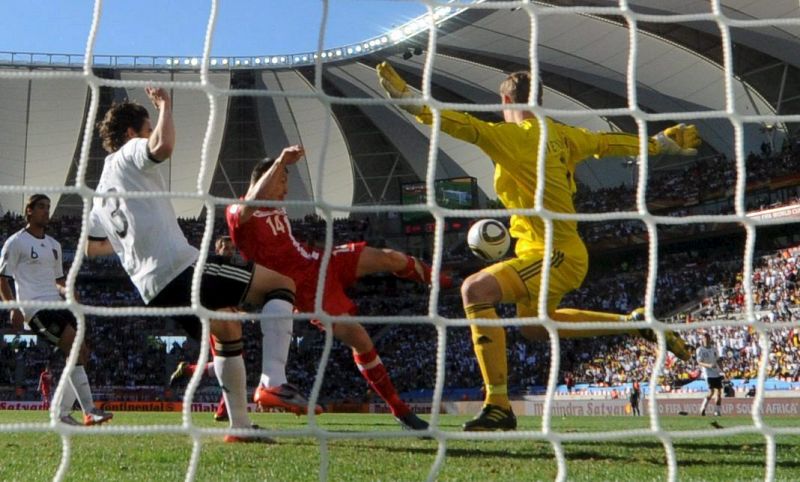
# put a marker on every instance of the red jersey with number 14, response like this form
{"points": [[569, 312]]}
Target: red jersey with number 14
{"points": [[267, 239]]}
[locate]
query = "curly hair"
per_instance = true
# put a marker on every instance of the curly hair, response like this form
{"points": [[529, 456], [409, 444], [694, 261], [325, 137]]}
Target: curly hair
{"points": [[114, 126]]}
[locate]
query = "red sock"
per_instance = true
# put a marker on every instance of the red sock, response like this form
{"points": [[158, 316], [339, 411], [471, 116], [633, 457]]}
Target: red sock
{"points": [[221, 408], [412, 271], [372, 369], [212, 345]]}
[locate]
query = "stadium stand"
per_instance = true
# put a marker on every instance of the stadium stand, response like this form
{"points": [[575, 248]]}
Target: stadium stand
{"points": [[703, 282]]}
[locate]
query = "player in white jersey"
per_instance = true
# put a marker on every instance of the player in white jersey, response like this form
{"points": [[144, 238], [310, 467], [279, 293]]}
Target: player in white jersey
{"points": [[144, 233], [708, 359], [33, 259]]}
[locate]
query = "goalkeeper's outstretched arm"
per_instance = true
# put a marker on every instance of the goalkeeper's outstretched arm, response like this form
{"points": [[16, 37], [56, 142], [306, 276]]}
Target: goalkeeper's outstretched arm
{"points": [[397, 88], [680, 139], [457, 124]]}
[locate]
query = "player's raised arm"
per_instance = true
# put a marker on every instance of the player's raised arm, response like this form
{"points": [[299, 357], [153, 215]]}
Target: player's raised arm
{"points": [[486, 135], [162, 140], [678, 140], [271, 184], [397, 88]]}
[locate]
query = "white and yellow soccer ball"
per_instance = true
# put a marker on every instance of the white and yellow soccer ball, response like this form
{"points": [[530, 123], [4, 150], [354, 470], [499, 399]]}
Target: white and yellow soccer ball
{"points": [[488, 239]]}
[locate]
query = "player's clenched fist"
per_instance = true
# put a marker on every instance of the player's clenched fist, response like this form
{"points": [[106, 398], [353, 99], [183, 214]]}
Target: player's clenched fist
{"points": [[292, 154], [396, 88], [678, 140], [158, 95]]}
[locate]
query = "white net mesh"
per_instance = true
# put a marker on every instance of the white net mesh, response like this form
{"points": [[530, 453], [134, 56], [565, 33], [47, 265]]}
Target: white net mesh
{"points": [[537, 14]]}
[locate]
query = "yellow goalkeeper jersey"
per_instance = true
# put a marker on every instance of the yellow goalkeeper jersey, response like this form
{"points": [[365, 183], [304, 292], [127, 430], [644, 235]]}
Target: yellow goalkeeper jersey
{"points": [[513, 149]]}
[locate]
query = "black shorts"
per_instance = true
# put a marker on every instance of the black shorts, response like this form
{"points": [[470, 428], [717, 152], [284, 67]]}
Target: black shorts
{"points": [[50, 324], [224, 284], [714, 382]]}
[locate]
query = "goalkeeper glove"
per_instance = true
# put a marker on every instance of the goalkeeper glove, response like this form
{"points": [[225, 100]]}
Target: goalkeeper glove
{"points": [[678, 140], [396, 88]]}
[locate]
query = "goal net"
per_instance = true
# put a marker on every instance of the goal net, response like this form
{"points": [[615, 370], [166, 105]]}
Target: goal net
{"points": [[604, 65]]}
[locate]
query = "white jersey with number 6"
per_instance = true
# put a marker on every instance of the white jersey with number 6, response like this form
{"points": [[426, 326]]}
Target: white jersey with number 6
{"points": [[143, 231], [35, 265]]}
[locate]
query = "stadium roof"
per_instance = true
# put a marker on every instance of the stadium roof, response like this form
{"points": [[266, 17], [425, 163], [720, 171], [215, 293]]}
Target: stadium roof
{"points": [[584, 61]]}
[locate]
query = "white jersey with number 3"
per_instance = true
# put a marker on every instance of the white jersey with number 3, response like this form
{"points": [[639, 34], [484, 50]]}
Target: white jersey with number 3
{"points": [[35, 265], [143, 231]]}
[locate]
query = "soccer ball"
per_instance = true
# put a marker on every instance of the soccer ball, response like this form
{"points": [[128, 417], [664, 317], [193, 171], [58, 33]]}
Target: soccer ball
{"points": [[488, 239]]}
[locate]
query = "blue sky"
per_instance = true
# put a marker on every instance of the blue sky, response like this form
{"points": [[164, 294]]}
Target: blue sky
{"points": [[177, 27]]}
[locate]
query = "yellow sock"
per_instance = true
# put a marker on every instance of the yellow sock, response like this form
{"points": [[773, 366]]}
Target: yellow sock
{"points": [[571, 314], [490, 349]]}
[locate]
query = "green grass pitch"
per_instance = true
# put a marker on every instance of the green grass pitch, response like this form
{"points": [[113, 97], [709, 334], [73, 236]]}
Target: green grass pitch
{"points": [[717, 456]]}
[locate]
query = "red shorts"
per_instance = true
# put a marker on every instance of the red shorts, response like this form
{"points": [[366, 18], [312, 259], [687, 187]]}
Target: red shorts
{"points": [[342, 273]]}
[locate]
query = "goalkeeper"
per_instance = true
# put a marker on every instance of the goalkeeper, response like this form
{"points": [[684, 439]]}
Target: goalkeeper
{"points": [[513, 147]]}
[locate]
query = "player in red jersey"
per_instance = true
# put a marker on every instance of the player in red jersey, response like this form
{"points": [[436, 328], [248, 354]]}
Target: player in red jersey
{"points": [[45, 384], [264, 235]]}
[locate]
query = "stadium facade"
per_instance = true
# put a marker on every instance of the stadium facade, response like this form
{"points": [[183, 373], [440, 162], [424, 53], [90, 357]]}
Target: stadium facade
{"points": [[360, 153]]}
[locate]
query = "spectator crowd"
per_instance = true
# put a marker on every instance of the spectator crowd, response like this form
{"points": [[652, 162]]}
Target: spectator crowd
{"points": [[702, 283]]}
